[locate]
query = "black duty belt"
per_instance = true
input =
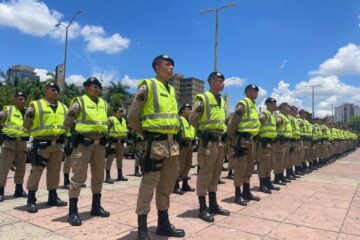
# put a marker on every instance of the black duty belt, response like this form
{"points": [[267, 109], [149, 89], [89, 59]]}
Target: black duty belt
{"points": [[156, 136], [245, 135], [6, 137], [266, 140]]}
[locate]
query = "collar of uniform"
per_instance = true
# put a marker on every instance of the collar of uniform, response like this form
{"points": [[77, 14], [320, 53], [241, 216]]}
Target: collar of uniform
{"points": [[48, 103], [250, 100]]}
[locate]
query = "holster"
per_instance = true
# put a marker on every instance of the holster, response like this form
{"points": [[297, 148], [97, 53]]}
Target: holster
{"points": [[239, 149], [265, 142], [34, 157], [68, 148], [146, 163], [207, 137], [292, 148], [109, 150]]}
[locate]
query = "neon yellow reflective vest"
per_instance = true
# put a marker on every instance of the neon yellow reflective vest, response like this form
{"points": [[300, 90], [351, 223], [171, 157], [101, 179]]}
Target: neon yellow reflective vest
{"points": [[47, 122], [250, 122], [213, 116], [308, 128], [317, 135], [188, 131], [284, 129], [268, 129], [13, 125], [93, 116], [118, 129], [325, 132], [302, 127], [160, 112], [295, 127]]}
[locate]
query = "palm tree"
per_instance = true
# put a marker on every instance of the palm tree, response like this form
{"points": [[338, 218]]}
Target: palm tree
{"points": [[116, 88]]}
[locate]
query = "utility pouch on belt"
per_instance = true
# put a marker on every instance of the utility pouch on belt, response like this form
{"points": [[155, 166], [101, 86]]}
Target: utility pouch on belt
{"points": [[146, 163], [207, 137], [240, 150], [34, 157]]}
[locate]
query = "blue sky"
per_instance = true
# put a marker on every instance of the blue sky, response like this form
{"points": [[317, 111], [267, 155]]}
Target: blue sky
{"points": [[283, 46]]}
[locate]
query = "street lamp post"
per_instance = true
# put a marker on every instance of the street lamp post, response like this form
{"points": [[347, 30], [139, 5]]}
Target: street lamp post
{"points": [[66, 40], [217, 10], [313, 97]]}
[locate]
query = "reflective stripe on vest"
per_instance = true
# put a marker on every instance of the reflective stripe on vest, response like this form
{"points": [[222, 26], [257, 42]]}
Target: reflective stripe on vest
{"points": [[249, 122], [284, 129], [47, 122], [93, 116], [13, 126], [317, 134], [160, 112], [295, 134], [118, 129], [213, 116], [268, 129], [188, 131]]}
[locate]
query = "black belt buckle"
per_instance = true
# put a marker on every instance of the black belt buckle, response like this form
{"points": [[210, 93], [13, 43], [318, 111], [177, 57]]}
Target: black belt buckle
{"points": [[87, 141]]}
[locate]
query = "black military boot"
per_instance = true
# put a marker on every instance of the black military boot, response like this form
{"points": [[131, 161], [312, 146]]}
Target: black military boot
{"points": [[230, 175], [137, 172], [284, 179], [121, 176], [298, 171], [66, 181], [54, 200], [19, 191], [263, 187], [108, 178], [31, 202], [270, 185], [177, 189], [203, 211], [142, 227], [247, 195], [278, 180], [214, 207], [238, 198], [74, 218], [289, 176], [312, 166], [96, 209], [2, 192], [186, 187], [306, 169], [165, 228]]}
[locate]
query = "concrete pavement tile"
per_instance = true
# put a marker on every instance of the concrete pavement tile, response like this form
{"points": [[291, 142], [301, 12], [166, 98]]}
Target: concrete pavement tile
{"points": [[355, 204], [327, 219], [97, 229], [352, 222], [52, 236], [191, 226], [121, 198], [129, 218], [292, 232], [316, 203], [248, 224], [348, 237], [51, 222], [222, 233], [43, 210], [22, 230], [6, 219]]}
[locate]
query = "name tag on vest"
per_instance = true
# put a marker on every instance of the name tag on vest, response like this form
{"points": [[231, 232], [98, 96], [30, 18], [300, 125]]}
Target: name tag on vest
{"points": [[163, 94], [91, 107], [214, 105]]}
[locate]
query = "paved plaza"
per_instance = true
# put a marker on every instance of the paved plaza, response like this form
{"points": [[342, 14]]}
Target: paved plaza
{"points": [[322, 205]]}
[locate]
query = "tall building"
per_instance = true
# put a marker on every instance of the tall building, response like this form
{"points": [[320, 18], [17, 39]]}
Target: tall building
{"points": [[20, 72], [186, 88], [346, 111]]}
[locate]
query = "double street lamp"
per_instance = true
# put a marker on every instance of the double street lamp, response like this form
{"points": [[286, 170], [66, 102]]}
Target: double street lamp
{"points": [[66, 39], [217, 10]]}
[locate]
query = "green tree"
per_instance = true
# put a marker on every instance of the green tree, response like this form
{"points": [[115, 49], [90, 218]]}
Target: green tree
{"points": [[354, 123]]}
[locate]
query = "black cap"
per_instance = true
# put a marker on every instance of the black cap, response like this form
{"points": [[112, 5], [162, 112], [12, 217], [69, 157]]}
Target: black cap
{"points": [[293, 107], [52, 85], [92, 80], [284, 105], [20, 94], [184, 106], [270, 100], [216, 74], [162, 57], [119, 109], [251, 86]]}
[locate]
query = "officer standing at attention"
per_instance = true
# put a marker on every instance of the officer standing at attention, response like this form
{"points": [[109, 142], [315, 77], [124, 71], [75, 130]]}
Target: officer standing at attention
{"points": [[45, 120], [208, 116], [154, 115], [244, 127], [67, 160], [89, 112], [117, 136], [186, 149], [13, 146], [266, 147]]}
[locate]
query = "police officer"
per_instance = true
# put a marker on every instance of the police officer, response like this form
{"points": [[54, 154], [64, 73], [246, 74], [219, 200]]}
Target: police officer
{"points": [[208, 116], [13, 144], [45, 120], [117, 137], [187, 132], [154, 115], [294, 144], [306, 131], [67, 160], [284, 133], [89, 112], [244, 127], [266, 147]]}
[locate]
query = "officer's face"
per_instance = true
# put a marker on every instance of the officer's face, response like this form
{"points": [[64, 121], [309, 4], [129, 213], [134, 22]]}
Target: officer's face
{"points": [[51, 94], [186, 112], [252, 93], [271, 106], [164, 69], [119, 114], [217, 84], [20, 102], [93, 90]]}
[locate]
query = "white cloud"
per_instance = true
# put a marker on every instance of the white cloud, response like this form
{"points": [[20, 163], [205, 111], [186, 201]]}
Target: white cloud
{"points": [[282, 94], [127, 81], [96, 39], [75, 79], [42, 73], [262, 92], [28, 16], [345, 62], [234, 82], [283, 64]]}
